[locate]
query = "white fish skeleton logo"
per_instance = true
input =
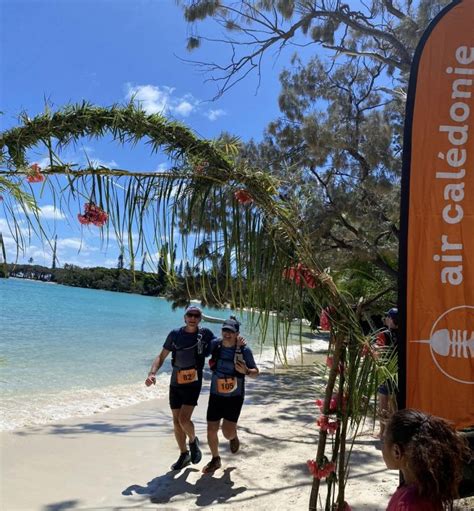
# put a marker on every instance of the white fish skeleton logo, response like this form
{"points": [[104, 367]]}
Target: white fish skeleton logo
{"points": [[453, 343]]}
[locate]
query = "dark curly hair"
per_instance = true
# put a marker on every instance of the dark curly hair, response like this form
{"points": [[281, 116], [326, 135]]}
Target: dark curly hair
{"points": [[433, 450]]}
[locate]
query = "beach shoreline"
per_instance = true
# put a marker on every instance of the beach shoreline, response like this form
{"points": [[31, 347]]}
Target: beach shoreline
{"points": [[121, 459]]}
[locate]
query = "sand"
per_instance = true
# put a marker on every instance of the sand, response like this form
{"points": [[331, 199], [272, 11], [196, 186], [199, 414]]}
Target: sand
{"points": [[121, 459]]}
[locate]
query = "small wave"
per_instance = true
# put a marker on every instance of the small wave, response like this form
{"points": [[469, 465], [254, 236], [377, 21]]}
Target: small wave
{"points": [[18, 411]]}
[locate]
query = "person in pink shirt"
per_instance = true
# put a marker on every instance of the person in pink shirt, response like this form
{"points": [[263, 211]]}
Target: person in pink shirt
{"points": [[430, 455]]}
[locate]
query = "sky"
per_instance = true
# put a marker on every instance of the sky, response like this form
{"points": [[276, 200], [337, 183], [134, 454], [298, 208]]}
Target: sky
{"points": [[58, 52]]}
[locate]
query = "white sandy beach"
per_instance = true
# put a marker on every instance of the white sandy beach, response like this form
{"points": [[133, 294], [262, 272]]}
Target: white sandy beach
{"points": [[120, 459]]}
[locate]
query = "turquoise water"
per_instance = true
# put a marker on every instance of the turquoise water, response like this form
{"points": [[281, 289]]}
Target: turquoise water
{"points": [[69, 352]]}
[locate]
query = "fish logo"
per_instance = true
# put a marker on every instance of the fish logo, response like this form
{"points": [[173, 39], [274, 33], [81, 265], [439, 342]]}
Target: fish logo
{"points": [[452, 343]]}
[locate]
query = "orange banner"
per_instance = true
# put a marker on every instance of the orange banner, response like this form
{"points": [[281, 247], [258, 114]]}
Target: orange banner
{"points": [[437, 245]]}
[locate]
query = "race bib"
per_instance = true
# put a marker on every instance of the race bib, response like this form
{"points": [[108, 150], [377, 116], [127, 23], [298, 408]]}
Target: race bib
{"points": [[186, 376], [226, 385]]}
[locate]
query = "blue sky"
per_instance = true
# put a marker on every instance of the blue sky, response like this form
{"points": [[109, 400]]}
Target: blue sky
{"points": [[105, 51]]}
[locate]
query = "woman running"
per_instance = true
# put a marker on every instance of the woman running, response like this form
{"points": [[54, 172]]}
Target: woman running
{"points": [[230, 364]]}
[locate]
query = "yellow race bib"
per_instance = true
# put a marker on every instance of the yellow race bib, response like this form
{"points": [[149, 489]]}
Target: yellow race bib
{"points": [[186, 375]]}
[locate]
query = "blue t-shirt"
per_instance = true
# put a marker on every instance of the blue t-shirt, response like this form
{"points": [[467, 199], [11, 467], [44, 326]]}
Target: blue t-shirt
{"points": [[183, 346], [225, 368]]}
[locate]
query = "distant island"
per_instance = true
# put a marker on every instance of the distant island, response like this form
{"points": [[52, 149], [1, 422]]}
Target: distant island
{"points": [[181, 286], [110, 279]]}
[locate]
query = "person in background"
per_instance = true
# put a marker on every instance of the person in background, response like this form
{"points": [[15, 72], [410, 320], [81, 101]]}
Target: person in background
{"points": [[230, 364], [430, 455], [188, 345], [387, 340]]}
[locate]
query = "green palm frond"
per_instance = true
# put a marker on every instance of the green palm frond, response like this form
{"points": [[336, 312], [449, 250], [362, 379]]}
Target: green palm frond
{"points": [[238, 234]]}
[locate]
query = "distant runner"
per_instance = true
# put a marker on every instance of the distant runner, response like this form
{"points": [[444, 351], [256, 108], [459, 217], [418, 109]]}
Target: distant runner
{"points": [[387, 340], [188, 345], [230, 364]]}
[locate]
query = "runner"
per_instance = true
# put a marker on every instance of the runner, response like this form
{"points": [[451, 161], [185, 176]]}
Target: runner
{"points": [[188, 345], [387, 341], [230, 364]]}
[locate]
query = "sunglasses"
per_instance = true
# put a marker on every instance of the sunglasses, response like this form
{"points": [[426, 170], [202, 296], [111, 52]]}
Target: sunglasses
{"points": [[191, 315]]}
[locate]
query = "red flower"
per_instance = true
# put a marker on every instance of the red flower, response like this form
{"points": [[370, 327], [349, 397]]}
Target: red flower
{"points": [[323, 422], [301, 275], [320, 472], [243, 197], [319, 403], [346, 507], [332, 427], [330, 362], [324, 322], [35, 176], [312, 467], [93, 215]]}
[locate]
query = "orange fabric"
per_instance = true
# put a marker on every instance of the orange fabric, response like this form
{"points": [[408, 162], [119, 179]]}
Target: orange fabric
{"points": [[440, 257]]}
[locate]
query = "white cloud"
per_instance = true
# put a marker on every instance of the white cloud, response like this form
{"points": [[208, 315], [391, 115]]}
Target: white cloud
{"points": [[213, 115], [47, 212], [45, 162], [96, 163], [75, 243], [184, 108], [155, 99], [50, 212]]}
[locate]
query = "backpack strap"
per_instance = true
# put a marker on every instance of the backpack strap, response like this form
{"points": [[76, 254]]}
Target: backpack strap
{"points": [[199, 353], [215, 353]]}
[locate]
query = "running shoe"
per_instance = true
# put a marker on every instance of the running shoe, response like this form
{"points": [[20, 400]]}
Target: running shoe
{"points": [[234, 445], [213, 465], [196, 453], [183, 461]]}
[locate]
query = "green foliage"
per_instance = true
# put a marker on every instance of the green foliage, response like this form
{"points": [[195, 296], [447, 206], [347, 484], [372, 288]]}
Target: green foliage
{"points": [[108, 279], [245, 222], [193, 43]]}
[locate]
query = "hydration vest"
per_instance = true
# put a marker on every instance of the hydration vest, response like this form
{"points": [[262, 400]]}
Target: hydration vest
{"points": [[198, 347], [215, 355]]}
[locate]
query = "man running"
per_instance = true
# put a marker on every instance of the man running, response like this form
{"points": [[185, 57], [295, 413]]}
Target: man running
{"points": [[188, 345]]}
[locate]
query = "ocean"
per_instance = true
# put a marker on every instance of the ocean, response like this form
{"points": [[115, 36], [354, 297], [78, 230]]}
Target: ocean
{"points": [[70, 352]]}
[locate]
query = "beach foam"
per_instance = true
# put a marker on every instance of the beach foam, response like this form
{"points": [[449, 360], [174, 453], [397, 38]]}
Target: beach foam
{"points": [[18, 411]]}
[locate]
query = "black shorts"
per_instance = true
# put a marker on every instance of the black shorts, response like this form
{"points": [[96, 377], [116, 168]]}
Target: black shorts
{"points": [[184, 395], [227, 408]]}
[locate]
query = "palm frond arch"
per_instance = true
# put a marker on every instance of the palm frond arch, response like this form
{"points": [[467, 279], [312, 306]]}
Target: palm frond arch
{"points": [[203, 171]]}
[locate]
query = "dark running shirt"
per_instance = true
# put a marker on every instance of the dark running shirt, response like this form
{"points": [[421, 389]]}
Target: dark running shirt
{"points": [[225, 368], [181, 343]]}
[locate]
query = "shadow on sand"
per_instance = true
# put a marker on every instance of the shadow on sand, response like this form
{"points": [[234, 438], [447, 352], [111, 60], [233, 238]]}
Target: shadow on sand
{"points": [[207, 490]]}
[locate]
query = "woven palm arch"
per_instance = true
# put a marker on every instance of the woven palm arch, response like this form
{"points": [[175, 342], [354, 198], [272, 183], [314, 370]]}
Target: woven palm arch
{"points": [[206, 172]]}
